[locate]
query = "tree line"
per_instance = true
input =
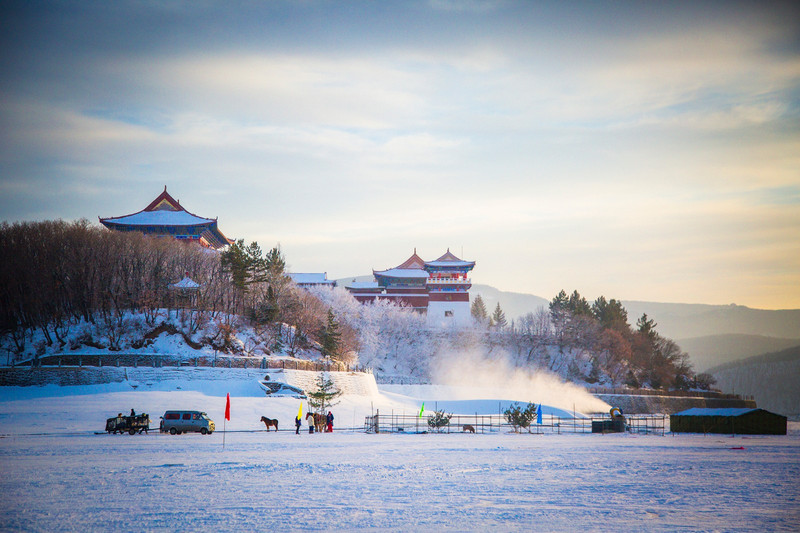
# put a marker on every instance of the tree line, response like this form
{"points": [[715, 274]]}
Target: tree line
{"points": [[59, 277], [592, 342]]}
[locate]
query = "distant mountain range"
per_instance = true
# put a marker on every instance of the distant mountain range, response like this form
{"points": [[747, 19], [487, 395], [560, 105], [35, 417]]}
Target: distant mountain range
{"points": [[711, 334], [771, 378], [714, 350]]}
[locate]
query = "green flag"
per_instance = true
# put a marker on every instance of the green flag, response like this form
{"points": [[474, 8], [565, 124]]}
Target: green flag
{"points": [[421, 409]]}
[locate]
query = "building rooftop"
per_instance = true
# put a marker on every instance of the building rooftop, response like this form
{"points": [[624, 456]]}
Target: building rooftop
{"points": [[166, 211]]}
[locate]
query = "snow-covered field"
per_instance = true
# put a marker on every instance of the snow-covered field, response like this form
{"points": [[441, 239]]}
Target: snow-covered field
{"points": [[58, 475]]}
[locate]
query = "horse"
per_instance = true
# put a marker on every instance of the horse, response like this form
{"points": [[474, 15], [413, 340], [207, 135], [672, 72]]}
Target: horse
{"points": [[270, 422], [319, 421], [469, 428]]}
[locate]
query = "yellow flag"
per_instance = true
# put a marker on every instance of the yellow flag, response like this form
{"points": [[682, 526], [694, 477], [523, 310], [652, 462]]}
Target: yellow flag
{"points": [[300, 411]]}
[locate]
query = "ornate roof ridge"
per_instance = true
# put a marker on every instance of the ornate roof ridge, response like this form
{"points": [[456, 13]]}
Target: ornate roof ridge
{"points": [[413, 262]]}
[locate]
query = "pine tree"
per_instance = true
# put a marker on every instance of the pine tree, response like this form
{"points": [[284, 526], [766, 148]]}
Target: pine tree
{"points": [[234, 260], [519, 417], [578, 305], [478, 309], [439, 419], [275, 263], [499, 317], [559, 313], [611, 314], [322, 398], [331, 337], [647, 326]]}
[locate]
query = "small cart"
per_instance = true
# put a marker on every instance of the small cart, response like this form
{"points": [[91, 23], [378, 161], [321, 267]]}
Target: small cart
{"points": [[128, 424]]}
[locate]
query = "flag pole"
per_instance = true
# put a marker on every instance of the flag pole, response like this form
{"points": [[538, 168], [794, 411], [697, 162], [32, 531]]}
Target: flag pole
{"points": [[227, 417]]}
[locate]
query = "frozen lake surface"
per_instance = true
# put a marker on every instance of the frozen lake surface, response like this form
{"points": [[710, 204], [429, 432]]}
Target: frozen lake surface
{"points": [[57, 475]]}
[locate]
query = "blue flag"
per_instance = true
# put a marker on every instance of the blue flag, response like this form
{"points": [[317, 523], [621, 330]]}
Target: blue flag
{"points": [[539, 415]]}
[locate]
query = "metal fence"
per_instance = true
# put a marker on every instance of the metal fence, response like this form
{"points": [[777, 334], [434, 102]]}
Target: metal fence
{"points": [[173, 360], [404, 423]]}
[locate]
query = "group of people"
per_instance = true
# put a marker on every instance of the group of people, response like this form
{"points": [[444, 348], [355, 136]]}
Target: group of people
{"points": [[311, 419]]}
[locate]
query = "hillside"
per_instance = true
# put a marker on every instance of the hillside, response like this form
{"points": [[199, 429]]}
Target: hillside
{"points": [[771, 378], [683, 321], [514, 304]]}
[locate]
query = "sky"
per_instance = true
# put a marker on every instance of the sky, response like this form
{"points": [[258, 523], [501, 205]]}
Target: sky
{"points": [[635, 150]]}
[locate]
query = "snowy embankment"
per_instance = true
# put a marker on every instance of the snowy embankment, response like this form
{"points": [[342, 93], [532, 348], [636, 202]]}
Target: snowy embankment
{"points": [[60, 476]]}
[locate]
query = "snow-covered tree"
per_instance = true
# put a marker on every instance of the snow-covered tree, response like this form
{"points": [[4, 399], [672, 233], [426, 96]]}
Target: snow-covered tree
{"points": [[478, 309], [499, 317]]}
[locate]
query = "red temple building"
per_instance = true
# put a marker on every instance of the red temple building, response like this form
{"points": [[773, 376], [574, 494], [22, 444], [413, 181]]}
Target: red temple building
{"points": [[439, 288], [165, 217], [448, 287]]}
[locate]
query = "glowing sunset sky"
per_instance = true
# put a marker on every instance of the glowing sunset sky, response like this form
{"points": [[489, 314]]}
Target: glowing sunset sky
{"points": [[642, 151]]}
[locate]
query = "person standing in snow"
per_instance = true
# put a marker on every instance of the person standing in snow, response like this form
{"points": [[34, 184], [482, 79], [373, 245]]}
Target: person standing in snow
{"points": [[297, 425], [310, 420], [329, 419]]}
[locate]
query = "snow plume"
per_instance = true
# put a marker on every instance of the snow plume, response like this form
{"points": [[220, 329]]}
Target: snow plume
{"points": [[496, 376]]}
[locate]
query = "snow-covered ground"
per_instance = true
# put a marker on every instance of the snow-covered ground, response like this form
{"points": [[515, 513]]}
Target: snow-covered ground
{"points": [[57, 474]]}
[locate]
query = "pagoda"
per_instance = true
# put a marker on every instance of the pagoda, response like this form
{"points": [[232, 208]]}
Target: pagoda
{"points": [[439, 288], [405, 283], [165, 217], [448, 287]]}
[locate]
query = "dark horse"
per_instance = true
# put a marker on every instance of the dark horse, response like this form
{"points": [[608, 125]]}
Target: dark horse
{"points": [[270, 422]]}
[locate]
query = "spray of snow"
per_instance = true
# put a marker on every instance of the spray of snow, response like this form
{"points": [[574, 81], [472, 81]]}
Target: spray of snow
{"points": [[473, 373]]}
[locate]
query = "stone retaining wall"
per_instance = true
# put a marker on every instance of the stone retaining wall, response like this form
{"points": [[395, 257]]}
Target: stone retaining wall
{"points": [[358, 383], [630, 403]]}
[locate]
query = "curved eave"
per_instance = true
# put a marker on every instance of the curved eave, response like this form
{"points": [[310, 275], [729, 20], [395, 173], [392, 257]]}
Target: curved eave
{"points": [[404, 273]]}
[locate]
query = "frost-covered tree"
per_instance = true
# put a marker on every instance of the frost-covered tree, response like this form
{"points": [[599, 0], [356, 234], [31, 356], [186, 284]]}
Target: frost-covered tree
{"points": [[499, 317], [478, 309]]}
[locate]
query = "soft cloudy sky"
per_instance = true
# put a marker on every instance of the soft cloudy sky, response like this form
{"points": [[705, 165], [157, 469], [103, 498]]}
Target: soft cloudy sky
{"points": [[642, 150]]}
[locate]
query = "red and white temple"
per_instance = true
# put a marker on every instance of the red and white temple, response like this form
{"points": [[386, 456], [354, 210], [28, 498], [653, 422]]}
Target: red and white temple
{"points": [[448, 285], [165, 217], [439, 288]]}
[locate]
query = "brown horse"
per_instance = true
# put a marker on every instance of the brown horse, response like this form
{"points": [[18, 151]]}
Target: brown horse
{"points": [[319, 421], [468, 427], [270, 422]]}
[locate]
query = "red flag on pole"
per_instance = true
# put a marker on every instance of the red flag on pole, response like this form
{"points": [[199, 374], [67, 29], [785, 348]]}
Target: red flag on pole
{"points": [[228, 407]]}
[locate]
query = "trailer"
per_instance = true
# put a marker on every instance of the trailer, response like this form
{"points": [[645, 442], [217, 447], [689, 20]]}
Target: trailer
{"points": [[128, 424]]}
